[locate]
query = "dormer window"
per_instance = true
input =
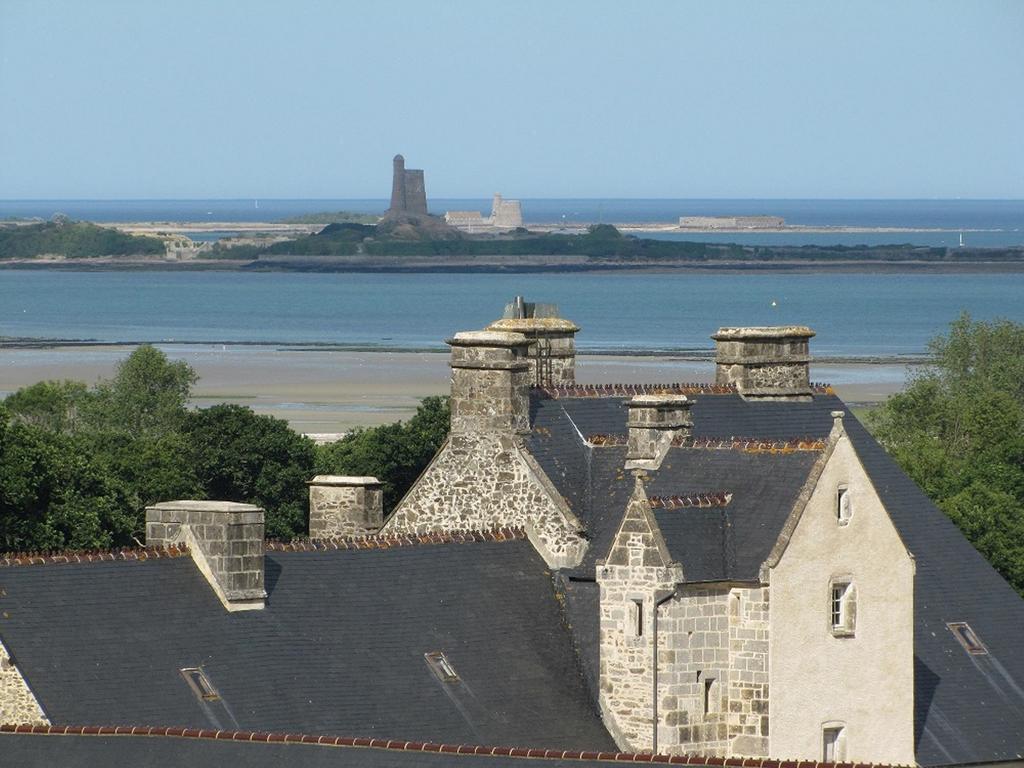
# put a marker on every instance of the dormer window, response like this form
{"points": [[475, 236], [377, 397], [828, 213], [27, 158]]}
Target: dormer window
{"points": [[844, 508], [843, 608]]}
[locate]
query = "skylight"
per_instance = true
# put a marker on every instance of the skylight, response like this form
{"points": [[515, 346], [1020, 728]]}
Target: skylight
{"points": [[441, 667], [968, 639], [200, 685]]}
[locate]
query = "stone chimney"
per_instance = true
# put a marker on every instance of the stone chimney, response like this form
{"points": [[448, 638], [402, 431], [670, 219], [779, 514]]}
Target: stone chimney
{"points": [[341, 506], [490, 382], [654, 422], [225, 540], [771, 363], [552, 350]]}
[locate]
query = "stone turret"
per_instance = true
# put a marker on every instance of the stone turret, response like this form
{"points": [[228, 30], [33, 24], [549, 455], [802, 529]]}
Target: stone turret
{"points": [[766, 363], [490, 383], [654, 421], [343, 506], [552, 341], [225, 540]]}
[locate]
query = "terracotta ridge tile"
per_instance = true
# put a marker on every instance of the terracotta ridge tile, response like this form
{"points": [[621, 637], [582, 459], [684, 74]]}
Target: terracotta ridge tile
{"points": [[751, 444], [399, 745], [712, 499], [394, 541], [92, 556]]}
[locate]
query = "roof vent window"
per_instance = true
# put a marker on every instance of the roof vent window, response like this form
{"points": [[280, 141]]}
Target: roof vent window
{"points": [[200, 685], [441, 667], [968, 639]]}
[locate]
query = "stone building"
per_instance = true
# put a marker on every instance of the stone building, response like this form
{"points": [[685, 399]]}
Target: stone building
{"points": [[734, 570], [505, 215], [408, 190]]}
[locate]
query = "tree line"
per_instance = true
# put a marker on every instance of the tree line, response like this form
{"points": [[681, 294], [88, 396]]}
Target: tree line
{"points": [[79, 464]]}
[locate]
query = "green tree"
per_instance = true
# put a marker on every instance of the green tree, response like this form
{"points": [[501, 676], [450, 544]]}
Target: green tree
{"points": [[958, 430], [394, 453], [240, 456], [55, 406]]}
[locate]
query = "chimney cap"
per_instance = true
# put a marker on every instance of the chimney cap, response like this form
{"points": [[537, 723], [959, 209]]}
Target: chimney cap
{"points": [[343, 480], [486, 339], [754, 333], [519, 324], [190, 505]]}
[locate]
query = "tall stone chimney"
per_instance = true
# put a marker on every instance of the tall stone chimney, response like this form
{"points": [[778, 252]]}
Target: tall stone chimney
{"points": [[225, 540], [342, 506], [654, 421], [552, 341], [766, 363], [490, 382]]}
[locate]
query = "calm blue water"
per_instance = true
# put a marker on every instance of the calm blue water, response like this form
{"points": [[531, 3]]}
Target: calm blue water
{"points": [[1005, 217], [854, 314]]}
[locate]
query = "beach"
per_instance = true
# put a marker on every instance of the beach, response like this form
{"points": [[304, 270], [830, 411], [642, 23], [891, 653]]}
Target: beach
{"points": [[325, 392]]}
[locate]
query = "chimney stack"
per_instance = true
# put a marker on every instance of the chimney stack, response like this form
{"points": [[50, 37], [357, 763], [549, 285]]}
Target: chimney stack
{"points": [[552, 341], [767, 363], [341, 507], [225, 539], [654, 422], [490, 382]]}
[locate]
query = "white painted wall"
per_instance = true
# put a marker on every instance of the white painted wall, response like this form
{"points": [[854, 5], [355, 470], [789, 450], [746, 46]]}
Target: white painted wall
{"points": [[865, 682]]}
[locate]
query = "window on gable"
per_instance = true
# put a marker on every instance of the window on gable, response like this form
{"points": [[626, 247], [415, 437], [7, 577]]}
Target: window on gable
{"points": [[200, 684], [967, 638], [843, 608], [441, 667], [712, 698], [833, 744], [844, 508]]}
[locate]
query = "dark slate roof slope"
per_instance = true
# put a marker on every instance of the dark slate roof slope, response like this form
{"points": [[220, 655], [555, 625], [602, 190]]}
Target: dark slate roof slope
{"points": [[968, 708], [339, 648]]}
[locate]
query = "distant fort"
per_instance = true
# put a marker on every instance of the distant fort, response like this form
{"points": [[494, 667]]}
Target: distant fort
{"points": [[505, 214], [408, 191]]}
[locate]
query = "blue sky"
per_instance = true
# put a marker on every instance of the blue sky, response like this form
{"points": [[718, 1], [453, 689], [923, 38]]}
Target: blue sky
{"points": [[310, 99]]}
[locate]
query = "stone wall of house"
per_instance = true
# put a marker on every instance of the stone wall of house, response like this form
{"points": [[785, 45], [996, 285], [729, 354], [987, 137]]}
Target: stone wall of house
{"points": [[485, 480], [17, 703], [748, 671]]}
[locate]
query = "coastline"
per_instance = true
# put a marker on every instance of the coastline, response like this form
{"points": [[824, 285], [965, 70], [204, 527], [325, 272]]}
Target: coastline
{"points": [[323, 390]]}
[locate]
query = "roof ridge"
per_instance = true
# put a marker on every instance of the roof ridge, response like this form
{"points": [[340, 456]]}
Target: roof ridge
{"points": [[92, 555], [393, 541], [745, 444], [399, 745], [711, 499], [629, 390]]}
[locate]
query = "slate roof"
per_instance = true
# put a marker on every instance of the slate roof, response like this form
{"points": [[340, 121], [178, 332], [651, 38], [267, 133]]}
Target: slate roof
{"points": [[968, 708], [338, 649]]}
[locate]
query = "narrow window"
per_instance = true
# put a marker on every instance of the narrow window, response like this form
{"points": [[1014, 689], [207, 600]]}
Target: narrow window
{"points": [[712, 700], [967, 638], [638, 618], [833, 744], [441, 667], [844, 511], [843, 608], [200, 685]]}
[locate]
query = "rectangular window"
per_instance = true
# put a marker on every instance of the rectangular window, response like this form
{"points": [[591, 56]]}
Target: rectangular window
{"points": [[200, 685], [441, 667], [843, 509], [843, 608], [833, 748], [638, 618], [967, 638]]}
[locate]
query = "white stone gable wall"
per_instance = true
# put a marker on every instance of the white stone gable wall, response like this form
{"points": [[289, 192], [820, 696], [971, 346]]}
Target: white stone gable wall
{"points": [[18, 705]]}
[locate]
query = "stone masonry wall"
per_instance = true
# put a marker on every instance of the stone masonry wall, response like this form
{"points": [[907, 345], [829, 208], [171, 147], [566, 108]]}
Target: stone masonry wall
{"points": [[337, 510], [748, 679], [17, 703], [485, 480]]}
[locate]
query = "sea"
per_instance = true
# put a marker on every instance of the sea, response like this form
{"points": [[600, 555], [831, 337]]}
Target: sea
{"points": [[856, 314], [864, 315]]}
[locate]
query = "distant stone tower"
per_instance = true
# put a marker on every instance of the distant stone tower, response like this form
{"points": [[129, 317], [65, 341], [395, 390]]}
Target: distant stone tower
{"points": [[408, 191]]}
